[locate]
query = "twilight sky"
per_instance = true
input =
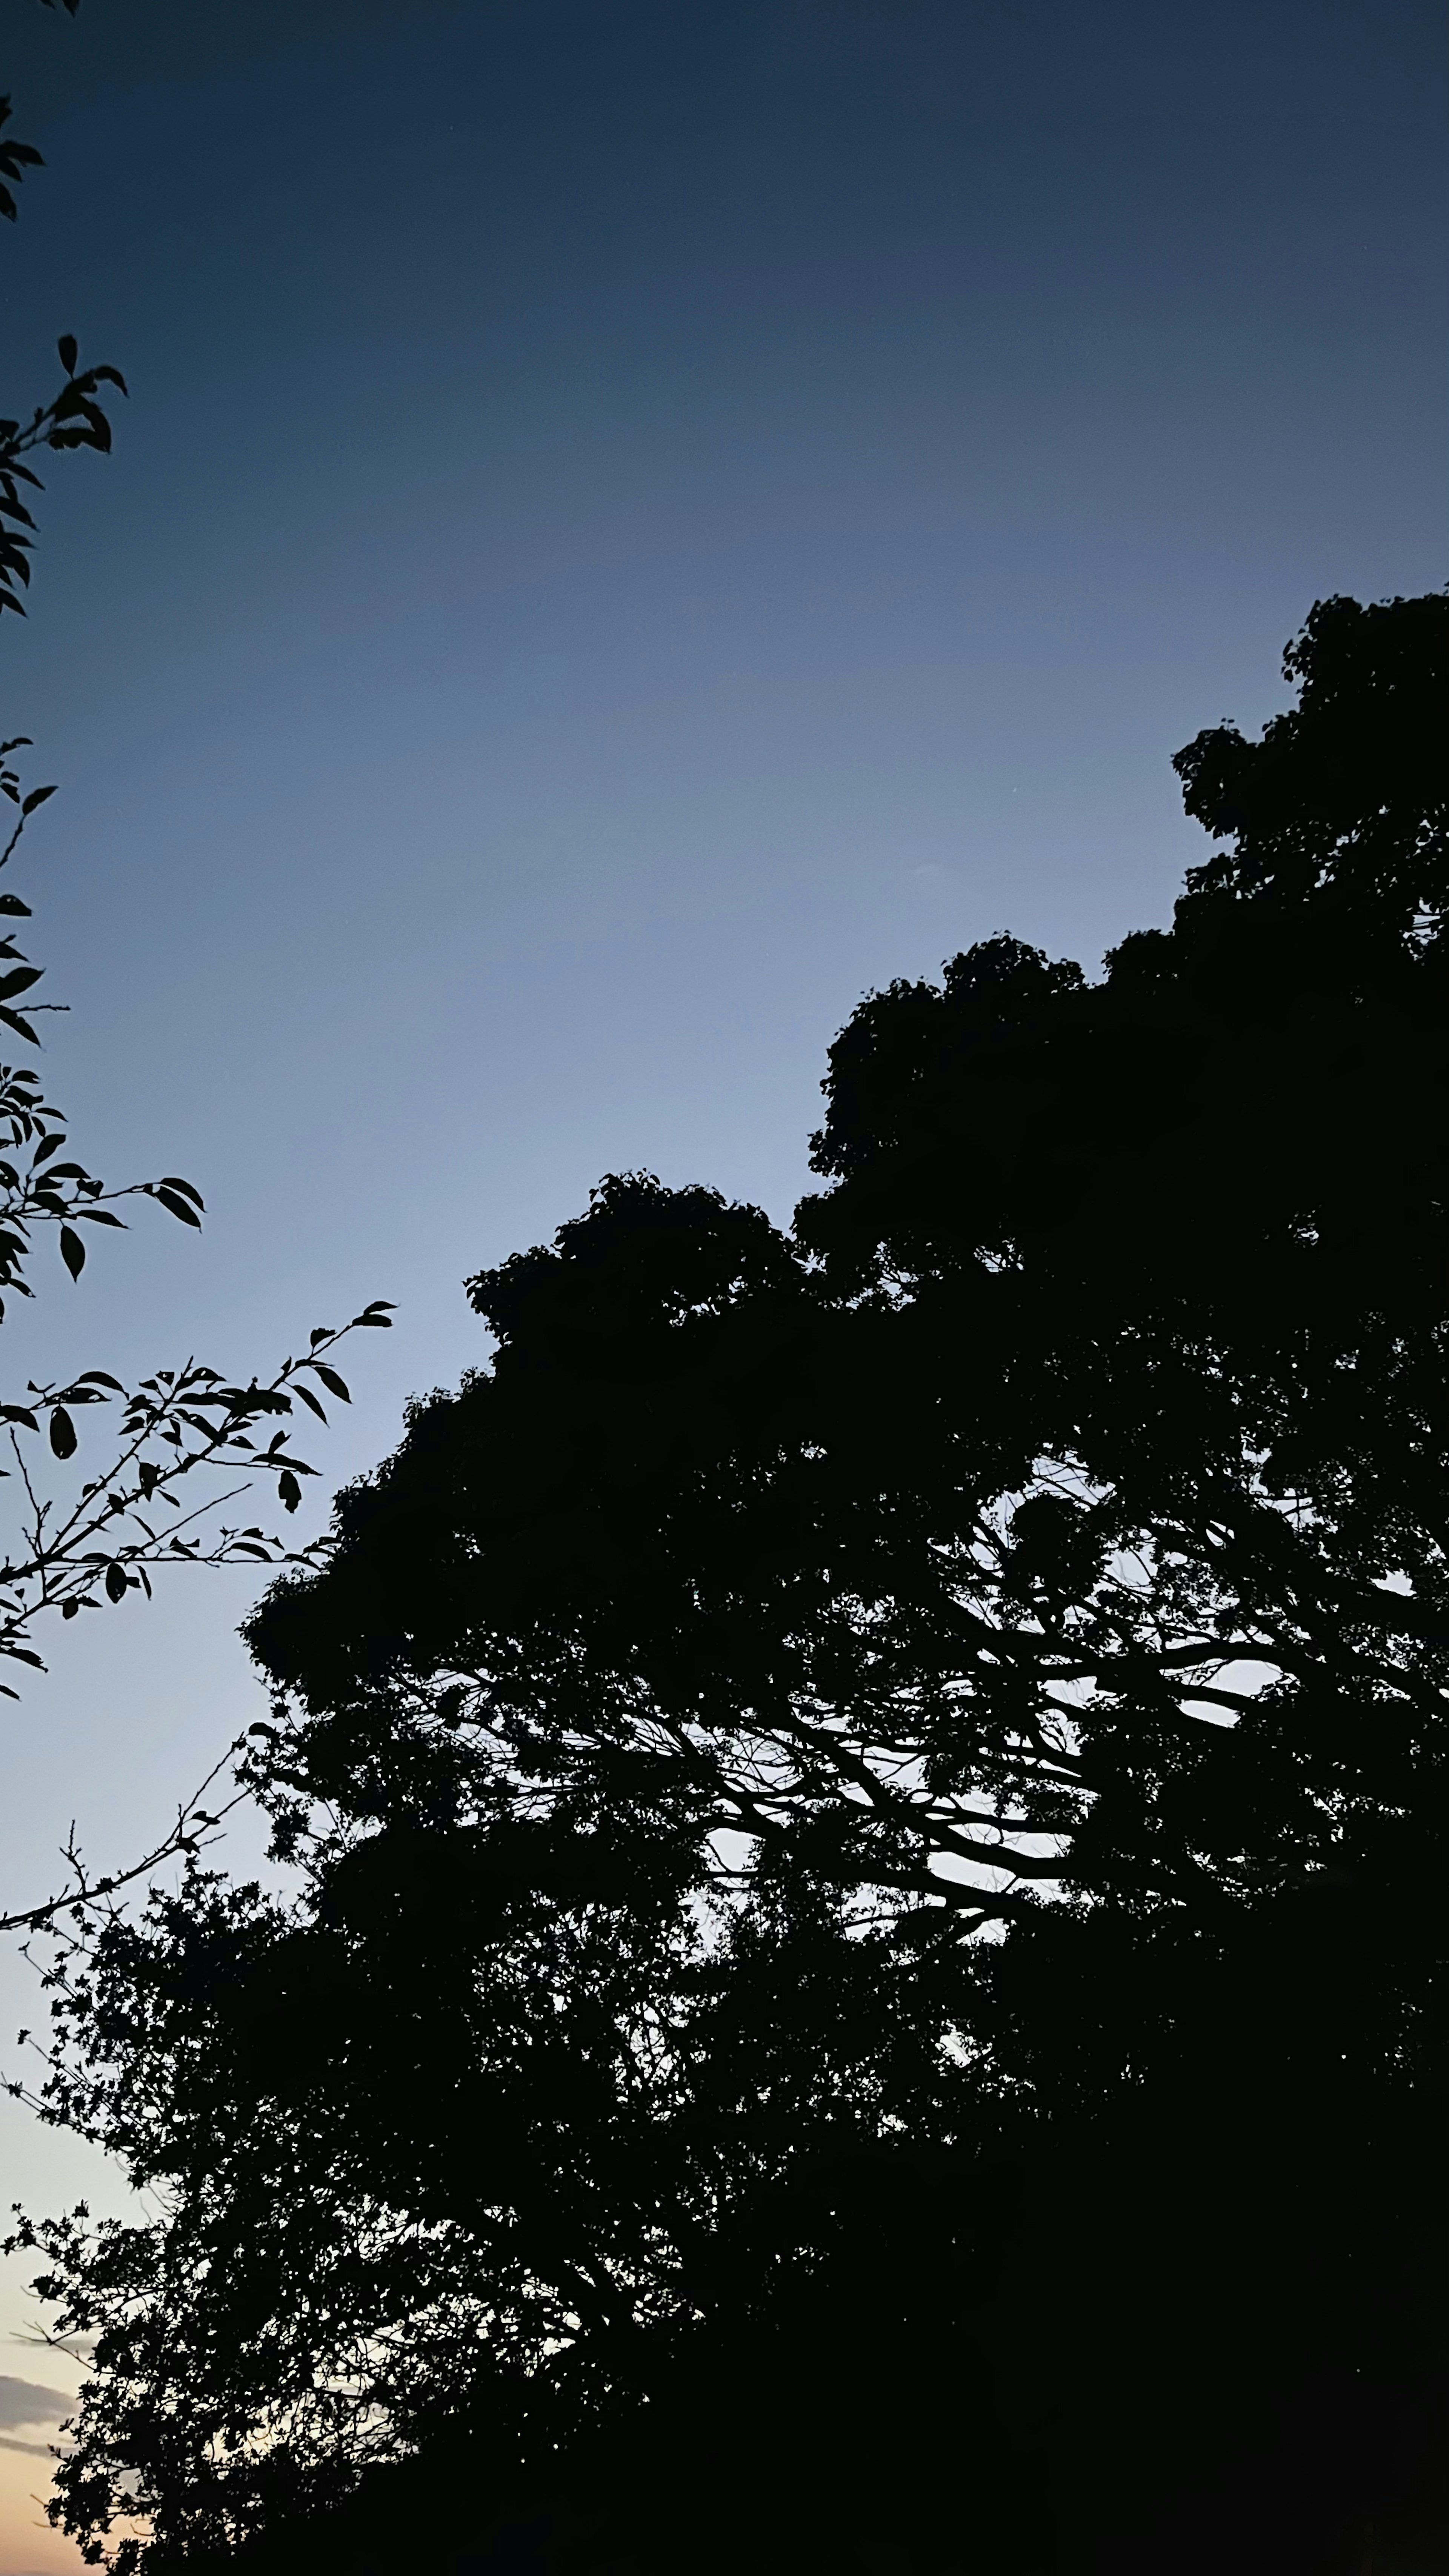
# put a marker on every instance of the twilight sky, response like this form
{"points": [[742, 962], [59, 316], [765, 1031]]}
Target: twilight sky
{"points": [[634, 524]]}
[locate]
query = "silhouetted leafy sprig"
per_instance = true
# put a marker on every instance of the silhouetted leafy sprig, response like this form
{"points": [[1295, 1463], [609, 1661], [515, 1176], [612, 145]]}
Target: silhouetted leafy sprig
{"points": [[72, 418], [35, 1186], [81, 1555], [172, 1423], [94, 1550], [15, 160], [196, 1823]]}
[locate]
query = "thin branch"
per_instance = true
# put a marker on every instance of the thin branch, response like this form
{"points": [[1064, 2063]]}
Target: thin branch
{"points": [[194, 1829]]}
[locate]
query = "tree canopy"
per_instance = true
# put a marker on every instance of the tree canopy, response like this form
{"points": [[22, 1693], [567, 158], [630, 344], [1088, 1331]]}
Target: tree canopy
{"points": [[869, 1805]]}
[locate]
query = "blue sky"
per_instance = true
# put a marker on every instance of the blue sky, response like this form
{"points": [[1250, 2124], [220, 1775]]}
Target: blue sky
{"points": [[633, 525]]}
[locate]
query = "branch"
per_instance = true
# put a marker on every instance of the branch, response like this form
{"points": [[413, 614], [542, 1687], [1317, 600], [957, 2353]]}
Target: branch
{"points": [[194, 1828]]}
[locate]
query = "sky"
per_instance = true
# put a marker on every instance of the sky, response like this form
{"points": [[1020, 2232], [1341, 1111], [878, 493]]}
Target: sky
{"points": [[633, 525]]}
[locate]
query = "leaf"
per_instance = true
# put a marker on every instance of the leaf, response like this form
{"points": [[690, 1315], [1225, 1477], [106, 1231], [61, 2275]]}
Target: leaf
{"points": [[13, 1020], [169, 1181], [66, 351], [19, 1413], [276, 1454], [72, 1251], [47, 1145], [176, 1205], [12, 903], [289, 1492], [19, 980], [36, 797], [62, 1432], [332, 1381], [309, 1399], [116, 1586], [100, 1216]]}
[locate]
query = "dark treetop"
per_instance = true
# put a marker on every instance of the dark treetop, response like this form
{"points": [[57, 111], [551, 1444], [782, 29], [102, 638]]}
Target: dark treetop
{"points": [[870, 1812]]}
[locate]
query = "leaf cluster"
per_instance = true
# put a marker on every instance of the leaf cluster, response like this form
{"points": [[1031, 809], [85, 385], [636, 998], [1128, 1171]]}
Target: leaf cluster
{"points": [[74, 417]]}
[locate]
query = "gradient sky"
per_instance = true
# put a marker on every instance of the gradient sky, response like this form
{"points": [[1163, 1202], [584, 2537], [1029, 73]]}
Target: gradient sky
{"points": [[633, 525]]}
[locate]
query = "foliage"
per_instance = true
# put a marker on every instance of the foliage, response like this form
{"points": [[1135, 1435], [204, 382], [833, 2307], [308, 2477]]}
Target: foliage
{"points": [[80, 1549], [870, 1805]]}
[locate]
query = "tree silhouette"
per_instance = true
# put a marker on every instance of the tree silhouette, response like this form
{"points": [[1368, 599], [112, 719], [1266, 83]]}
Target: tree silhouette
{"points": [[871, 1805]]}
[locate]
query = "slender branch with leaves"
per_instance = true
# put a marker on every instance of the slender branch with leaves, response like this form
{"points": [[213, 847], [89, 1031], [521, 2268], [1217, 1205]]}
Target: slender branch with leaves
{"points": [[186, 1443]]}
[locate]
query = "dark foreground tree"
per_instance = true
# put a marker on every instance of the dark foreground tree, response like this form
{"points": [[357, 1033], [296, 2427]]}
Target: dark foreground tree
{"points": [[81, 1531], [869, 1979]]}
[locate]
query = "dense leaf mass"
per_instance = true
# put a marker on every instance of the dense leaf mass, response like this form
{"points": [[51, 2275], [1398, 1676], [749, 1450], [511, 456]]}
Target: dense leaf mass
{"points": [[870, 1804]]}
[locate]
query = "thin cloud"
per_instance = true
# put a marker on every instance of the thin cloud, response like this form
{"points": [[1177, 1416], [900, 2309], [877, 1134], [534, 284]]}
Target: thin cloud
{"points": [[23, 2401]]}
